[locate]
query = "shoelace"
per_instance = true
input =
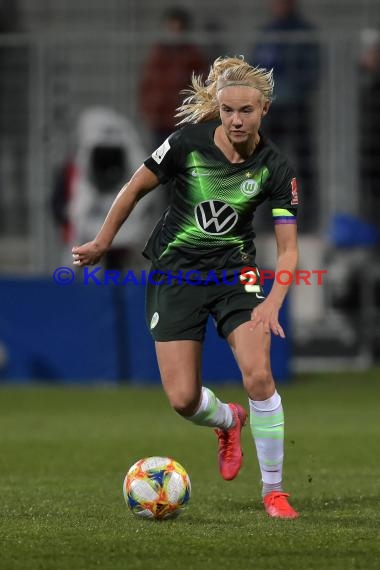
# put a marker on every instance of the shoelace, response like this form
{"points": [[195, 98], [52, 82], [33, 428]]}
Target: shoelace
{"points": [[225, 441], [279, 500]]}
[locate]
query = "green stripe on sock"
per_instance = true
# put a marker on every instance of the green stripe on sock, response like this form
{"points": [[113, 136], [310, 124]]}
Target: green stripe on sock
{"points": [[268, 420], [268, 427], [273, 433], [269, 463]]}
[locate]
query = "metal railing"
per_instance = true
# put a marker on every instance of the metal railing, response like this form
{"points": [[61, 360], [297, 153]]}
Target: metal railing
{"points": [[59, 76]]}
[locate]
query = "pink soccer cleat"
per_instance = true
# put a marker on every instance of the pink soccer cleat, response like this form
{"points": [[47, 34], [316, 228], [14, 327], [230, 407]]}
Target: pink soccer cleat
{"points": [[277, 506], [230, 454]]}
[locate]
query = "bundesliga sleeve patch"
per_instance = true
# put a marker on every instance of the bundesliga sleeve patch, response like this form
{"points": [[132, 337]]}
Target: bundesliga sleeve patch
{"points": [[159, 154], [294, 201], [282, 216]]}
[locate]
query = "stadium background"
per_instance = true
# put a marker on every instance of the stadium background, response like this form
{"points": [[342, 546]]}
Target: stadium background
{"points": [[64, 449], [59, 59]]}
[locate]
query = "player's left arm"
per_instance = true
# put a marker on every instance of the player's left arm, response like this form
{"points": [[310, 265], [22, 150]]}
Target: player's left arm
{"points": [[287, 258]]}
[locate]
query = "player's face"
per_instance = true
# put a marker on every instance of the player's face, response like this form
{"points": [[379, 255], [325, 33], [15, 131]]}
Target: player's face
{"points": [[241, 110]]}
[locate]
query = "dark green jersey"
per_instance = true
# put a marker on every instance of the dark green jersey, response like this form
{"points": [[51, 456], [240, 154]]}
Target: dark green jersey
{"points": [[208, 225]]}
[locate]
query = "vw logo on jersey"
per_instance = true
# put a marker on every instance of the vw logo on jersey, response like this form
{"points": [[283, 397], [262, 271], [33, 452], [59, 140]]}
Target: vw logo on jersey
{"points": [[250, 187], [215, 217]]}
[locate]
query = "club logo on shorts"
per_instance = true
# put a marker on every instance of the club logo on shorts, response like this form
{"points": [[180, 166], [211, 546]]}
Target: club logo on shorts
{"points": [[250, 187], [154, 321], [215, 217]]}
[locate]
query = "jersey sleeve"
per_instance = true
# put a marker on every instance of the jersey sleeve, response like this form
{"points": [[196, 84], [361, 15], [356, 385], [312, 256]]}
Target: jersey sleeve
{"points": [[165, 160], [283, 196]]}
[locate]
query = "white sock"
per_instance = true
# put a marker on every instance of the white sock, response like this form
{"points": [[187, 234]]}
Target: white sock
{"points": [[267, 426], [212, 412]]}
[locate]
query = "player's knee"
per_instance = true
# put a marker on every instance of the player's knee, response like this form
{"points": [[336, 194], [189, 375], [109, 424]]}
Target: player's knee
{"points": [[184, 405], [259, 383]]}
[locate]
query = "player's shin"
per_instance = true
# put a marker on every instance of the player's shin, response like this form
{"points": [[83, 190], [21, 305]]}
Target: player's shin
{"points": [[267, 426]]}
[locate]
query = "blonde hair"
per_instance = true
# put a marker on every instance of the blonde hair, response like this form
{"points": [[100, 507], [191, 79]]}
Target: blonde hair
{"points": [[201, 103]]}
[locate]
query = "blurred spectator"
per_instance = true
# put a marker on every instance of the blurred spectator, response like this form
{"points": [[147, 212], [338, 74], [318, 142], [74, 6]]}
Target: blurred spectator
{"points": [[290, 123], [370, 125], [14, 121], [215, 46], [108, 151], [167, 71], [9, 16]]}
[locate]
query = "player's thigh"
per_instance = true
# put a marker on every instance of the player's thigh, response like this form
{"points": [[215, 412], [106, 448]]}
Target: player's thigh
{"points": [[232, 304], [251, 348], [175, 312], [180, 368]]}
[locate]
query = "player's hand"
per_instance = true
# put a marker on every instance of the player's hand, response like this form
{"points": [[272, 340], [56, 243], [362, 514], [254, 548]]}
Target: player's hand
{"points": [[267, 314], [88, 253]]}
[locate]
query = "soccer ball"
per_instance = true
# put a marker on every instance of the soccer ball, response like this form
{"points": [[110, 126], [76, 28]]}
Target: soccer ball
{"points": [[157, 488]]}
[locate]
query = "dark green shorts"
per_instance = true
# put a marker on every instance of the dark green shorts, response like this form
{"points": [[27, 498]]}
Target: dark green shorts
{"points": [[180, 311]]}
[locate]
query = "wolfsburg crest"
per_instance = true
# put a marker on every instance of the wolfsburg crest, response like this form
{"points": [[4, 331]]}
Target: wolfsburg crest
{"points": [[250, 187]]}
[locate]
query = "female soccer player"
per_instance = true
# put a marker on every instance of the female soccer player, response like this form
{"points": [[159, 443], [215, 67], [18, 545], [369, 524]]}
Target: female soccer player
{"points": [[221, 168]]}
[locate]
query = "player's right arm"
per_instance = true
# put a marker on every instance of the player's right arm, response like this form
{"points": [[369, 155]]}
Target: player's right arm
{"points": [[142, 182]]}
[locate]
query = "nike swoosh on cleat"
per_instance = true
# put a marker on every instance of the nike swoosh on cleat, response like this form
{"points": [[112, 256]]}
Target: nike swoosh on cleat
{"points": [[260, 296]]}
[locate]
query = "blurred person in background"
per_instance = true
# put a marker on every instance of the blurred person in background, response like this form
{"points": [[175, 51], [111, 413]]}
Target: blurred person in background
{"points": [[290, 124], [167, 71], [355, 237], [369, 102], [14, 121], [108, 150], [214, 30]]}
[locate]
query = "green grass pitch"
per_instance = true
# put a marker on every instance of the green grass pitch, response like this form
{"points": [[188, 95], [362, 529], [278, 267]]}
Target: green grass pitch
{"points": [[64, 453]]}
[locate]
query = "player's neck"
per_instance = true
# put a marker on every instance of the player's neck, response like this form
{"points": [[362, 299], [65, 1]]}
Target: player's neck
{"points": [[235, 152]]}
